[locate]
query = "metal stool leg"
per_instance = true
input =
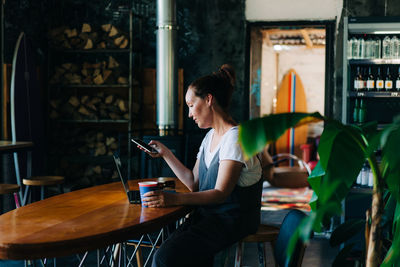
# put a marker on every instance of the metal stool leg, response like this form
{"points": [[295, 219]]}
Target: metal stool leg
{"points": [[27, 195], [41, 192], [238, 255], [16, 199], [261, 255]]}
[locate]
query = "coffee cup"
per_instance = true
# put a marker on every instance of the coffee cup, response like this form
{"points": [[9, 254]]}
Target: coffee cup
{"points": [[145, 187]]}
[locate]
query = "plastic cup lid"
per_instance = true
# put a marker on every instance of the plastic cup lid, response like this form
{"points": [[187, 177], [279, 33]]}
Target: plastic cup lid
{"points": [[148, 183]]}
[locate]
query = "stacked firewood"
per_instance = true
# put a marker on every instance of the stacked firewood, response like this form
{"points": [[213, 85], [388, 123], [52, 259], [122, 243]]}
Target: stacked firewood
{"points": [[107, 72], [99, 106], [78, 152], [107, 36], [90, 143]]}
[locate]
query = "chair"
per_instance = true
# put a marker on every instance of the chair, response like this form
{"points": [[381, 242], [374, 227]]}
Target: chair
{"points": [[10, 189], [285, 176], [42, 181], [279, 240], [288, 176], [27, 118]]}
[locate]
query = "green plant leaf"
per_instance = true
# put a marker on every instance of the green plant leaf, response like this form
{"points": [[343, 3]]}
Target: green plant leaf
{"points": [[390, 164], [389, 211], [346, 231], [396, 217], [342, 155], [393, 255], [255, 134], [340, 259]]}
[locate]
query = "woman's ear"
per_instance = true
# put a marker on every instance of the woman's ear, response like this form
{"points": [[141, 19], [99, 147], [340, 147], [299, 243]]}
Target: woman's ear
{"points": [[209, 99]]}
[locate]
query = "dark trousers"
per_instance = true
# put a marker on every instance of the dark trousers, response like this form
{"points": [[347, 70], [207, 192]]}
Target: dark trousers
{"points": [[197, 241]]}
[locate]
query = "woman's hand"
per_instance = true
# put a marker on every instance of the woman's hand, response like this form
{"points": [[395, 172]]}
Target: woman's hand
{"points": [[159, 199], [160, 148]]}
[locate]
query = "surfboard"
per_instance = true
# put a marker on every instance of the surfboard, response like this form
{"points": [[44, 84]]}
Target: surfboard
{"points": [[291, 97], [27, 114]]}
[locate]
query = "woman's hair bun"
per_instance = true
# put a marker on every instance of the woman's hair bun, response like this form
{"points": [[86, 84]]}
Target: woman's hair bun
{"points": [[228, 72]]}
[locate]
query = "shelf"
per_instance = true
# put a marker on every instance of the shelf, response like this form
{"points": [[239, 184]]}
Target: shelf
{"points": [[89, 159], [378, 61], [91, 85], [94, 121], [379, 126], [361, 190], [375, 94], [89, 51]]}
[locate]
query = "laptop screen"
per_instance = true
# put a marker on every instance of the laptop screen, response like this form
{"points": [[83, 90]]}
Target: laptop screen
{"points": [[133, 196]]}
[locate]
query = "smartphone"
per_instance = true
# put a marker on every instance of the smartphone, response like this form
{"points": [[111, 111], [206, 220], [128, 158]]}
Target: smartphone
{"points": [[143, 145]]}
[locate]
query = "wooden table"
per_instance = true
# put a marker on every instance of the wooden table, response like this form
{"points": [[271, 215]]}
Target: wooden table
{"points": [[14, 147], [10, 146], [80, 221]]}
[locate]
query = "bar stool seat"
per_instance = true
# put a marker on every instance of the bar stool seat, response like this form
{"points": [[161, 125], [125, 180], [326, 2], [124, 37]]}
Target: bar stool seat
{"points": [[43, 180], [265, 233], [8, 189], [11, 189]]}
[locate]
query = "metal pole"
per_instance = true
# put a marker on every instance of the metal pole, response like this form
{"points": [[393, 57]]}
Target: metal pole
{"points": [[166, 67], [3, 107]]}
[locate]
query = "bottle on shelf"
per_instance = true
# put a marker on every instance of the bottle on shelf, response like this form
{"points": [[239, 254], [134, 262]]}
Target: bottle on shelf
{"points": [[397, 85], [362, 48], [395, 47], [364, 76], [386, 47], [369, 48], [378, 48], [370, 80], [355, 47], [349, 48], [370, 177], [356, 111], [379, 84], [358, 80], [362, 111], [364, 176], [388, 80]]}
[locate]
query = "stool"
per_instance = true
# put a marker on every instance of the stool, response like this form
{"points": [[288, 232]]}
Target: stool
{"points": [[279, 239], [10, 189], [264, 234], [41, 181]]}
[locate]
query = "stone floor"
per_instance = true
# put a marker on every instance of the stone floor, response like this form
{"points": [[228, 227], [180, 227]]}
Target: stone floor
{"points": [[318, 252]]}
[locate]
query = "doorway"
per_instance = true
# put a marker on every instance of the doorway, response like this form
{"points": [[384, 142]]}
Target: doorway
{"points": [[303, 47], [276, 47]]}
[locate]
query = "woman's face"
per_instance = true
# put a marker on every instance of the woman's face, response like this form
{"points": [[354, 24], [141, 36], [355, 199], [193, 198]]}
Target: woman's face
{"points": [[199, 109]]}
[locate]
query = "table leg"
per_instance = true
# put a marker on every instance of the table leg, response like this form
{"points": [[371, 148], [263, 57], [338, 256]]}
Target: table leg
{"points": [[98, 258]]}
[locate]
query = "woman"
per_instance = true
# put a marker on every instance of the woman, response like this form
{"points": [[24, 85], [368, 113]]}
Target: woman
{"points": [[225, 188]]}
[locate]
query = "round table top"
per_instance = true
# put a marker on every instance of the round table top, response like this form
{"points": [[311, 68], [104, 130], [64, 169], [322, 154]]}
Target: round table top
{"points": [[79, 221]]}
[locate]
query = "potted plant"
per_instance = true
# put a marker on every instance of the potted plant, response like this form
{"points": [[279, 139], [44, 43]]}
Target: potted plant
{"points": [[343, 149]]}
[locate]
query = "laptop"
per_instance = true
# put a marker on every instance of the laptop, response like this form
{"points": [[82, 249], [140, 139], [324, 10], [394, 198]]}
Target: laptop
{"points": [[133, 195]]}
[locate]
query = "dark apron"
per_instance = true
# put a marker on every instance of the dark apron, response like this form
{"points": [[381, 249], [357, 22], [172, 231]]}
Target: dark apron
{"points": [[242, 207]]}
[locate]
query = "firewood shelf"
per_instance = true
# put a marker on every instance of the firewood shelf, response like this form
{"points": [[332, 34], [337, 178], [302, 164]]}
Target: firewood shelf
{"points": [[91, 85], [93, 63], [94, 121], [95, 51]]}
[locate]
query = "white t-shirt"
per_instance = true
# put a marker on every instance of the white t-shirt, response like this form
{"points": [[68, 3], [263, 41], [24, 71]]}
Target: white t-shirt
{"points": [[229, 149]]}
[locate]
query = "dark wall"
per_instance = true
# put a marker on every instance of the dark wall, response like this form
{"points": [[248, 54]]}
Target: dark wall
{"points": [[210, 33], [219, 28]]}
